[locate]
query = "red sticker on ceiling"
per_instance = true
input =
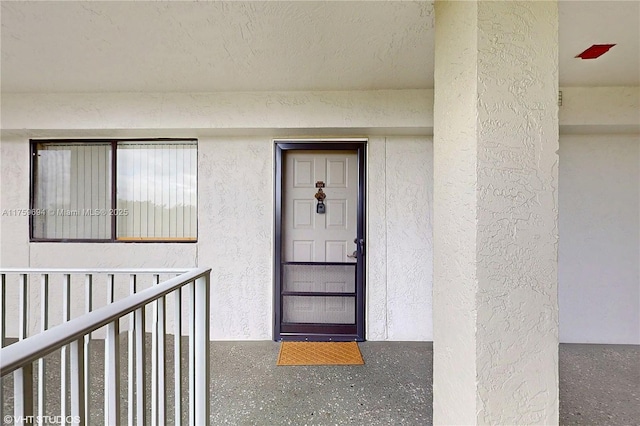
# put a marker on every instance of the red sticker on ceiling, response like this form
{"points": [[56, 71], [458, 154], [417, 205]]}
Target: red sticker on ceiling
{"points": [[595, 51]]}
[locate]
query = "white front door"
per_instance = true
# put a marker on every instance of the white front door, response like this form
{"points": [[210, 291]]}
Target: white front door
{"points": [[320, 261], [310, 236]]}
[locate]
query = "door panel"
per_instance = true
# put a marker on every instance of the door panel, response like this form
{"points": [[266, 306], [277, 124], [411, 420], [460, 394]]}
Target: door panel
{"points": [[331, 234], [320, 284], [337, 211]]}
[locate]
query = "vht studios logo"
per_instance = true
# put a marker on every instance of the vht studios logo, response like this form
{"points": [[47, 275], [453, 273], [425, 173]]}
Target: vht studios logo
{"points": [[41, 420]]}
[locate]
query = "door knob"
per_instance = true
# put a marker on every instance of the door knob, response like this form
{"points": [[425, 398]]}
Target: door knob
{"points": [[354, 255]]}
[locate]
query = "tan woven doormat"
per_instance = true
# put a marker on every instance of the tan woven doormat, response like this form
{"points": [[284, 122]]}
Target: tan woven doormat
{"points": [[320, 353]]}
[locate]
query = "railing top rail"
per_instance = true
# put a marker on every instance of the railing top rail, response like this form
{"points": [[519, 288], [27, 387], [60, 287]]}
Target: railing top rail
{"points": [[94, 270], [16, 355]]}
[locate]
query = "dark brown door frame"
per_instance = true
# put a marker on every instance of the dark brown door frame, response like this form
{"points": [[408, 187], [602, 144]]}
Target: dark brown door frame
{"points": [[316, 331]]}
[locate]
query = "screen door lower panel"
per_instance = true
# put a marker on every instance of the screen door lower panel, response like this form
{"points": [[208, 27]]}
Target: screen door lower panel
{"points": [[319, 296]]}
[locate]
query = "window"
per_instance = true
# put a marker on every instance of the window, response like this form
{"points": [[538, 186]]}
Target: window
{"points": [[125, 190]]}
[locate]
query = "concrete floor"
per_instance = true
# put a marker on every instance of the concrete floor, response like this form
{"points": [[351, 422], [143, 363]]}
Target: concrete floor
{"points": [[599, 385], [392, 388]]}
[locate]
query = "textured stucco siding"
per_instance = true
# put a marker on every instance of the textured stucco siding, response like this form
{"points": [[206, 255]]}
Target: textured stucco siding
{"points": [[400, 244], [517, 340], [496, 165], [399, 264], [599, 251], [376, 112], [376, 295], [235, 217], [409, 201], [14, 194], [599, 236], [455, 181], [218, 111], [235, 239]]}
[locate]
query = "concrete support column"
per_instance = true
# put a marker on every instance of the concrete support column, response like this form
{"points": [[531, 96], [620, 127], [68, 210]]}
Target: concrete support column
{"points": [[496, 213]]}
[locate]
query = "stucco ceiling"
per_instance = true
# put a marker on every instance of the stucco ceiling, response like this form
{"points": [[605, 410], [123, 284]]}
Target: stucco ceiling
{"points": [[179, 46], [584, 23]]}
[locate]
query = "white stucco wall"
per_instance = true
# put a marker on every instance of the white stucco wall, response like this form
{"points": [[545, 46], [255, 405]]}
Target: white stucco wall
{"points": [[235, 218], [235, 238], [455, 152], [274, 112], [235, 201], [400, 244], [599, 250]]}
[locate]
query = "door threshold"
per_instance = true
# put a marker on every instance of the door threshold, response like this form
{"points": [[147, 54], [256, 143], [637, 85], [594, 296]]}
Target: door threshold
{"points": [[298, 337]]}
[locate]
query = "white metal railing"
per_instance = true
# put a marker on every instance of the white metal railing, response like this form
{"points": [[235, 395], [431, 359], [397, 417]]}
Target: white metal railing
{"points": [[73, 338]]}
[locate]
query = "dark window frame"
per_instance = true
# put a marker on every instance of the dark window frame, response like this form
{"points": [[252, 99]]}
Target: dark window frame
{"points": [[33, 144]]}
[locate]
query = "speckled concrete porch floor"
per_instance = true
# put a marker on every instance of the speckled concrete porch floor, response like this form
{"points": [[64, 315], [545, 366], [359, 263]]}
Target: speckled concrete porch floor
{"points": [[392, 388], [599, 385]]}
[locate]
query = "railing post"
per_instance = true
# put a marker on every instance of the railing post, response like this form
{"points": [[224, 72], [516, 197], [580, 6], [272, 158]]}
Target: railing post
{"points": [[112, 379], [162, 361], [3, 331], [44, 325], [23, 377], [141, 391], [77, 382], [88, 283], [201, 356], [112, 363], [158, 356], [192, 353], [24, 307], [3, 313], [131, 356], [66, 316], [23, 391], [177, 357]]}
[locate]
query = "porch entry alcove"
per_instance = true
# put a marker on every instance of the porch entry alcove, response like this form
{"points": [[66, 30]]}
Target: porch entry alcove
{"points": [[319, 255]]}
